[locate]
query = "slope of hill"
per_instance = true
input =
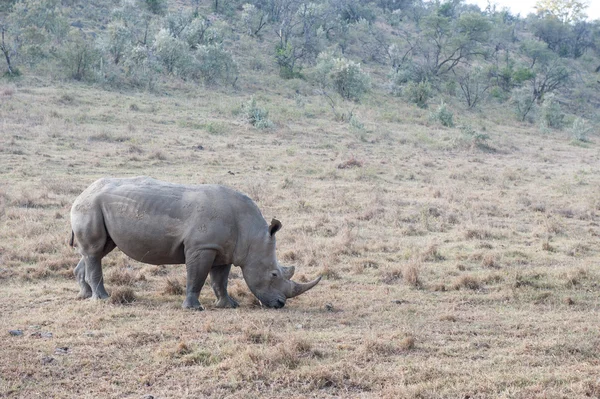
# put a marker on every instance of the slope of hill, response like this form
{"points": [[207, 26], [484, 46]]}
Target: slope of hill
{"points": [[459, 247]]}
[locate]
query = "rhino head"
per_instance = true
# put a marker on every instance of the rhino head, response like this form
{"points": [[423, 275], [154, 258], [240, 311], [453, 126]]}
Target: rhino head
{"points": [[269, 281]]}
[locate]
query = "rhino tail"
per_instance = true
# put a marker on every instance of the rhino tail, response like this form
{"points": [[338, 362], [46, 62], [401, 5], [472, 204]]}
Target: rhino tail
{"points": [[71, 241]]}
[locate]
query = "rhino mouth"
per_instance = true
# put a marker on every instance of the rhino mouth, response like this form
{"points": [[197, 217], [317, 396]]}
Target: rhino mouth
{"points": [[273, 303]]}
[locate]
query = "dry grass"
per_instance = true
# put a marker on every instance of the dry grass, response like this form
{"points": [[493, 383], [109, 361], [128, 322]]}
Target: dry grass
{"points": [[467, 282], [122, 296], [503, 248], [173, 287]]}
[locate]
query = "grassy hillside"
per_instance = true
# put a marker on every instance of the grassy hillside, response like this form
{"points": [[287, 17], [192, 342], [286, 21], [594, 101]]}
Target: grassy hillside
{"points": [[458, 261]]}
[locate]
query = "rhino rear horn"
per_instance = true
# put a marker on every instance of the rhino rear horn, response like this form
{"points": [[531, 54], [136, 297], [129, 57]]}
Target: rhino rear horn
{"points": [[288, 272], [300, 288]]}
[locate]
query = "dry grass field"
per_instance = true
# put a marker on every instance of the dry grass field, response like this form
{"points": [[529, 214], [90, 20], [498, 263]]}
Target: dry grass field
{"points": [[450, 270]]}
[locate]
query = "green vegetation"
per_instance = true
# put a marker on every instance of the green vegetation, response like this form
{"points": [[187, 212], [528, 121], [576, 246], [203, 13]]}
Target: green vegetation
{"points": [[350, 50]]}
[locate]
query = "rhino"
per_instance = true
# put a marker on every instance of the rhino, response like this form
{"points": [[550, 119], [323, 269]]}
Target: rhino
{"points": [[208, 227]]}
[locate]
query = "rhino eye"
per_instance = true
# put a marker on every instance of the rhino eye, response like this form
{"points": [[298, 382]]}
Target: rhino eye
{"points": [[273, 274]]}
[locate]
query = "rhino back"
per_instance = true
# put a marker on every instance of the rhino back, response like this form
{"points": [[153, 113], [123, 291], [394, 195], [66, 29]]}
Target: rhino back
{"points": [[155, 222]]}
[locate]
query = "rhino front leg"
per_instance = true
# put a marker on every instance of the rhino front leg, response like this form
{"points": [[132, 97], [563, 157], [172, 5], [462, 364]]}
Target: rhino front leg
{"points": [[198, 265], [218, 281], [85, 289]]}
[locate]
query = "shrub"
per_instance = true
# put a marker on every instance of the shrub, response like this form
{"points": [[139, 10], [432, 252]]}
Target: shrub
{"points": [[443, 115], [418, 93], [550, 115], [286, 60], [254, 19], [216, 65], [116, 41], [141, 69], [257, 117], [172, 53], [322, 71], [200, 32], [474, 139], [158, 7], [78, 56], [349, 80], [580, 130], [344, 76], [523, 101]]}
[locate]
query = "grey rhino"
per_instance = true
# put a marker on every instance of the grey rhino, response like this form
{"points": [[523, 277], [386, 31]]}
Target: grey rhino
{"points": [[207, 227]]}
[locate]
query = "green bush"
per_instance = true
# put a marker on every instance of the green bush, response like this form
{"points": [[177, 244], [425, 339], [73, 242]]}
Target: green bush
{"points": [[216, 65], [78, 56], [286, 60], [349, 80], [172, 52], [550, 114], [322, 70], [257, 117], [141, 69], [580, 130], [523, 101], [418, 93], [443, 115], [471, 138], [344, 76]]}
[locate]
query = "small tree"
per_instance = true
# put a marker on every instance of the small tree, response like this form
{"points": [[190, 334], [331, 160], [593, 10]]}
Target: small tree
{"points": [[78, 55], [418, 93], [8, 51], [473, 84], [157, 7], [523, 101], [254, 19], [344, 76], [349, 80], [171, 51], [566, 11], [443, 115], [116, 41], [550, 114], [580, 130], [217, 65]]}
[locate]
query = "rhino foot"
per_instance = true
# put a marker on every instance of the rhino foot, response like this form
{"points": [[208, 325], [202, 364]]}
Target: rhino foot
{"points": [[84, 294], [100, 295], [192, 303], [226, 302]]}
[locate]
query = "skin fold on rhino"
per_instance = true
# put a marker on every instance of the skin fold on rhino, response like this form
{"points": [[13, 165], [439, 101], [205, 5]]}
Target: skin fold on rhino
{"points": [[207, 227]]}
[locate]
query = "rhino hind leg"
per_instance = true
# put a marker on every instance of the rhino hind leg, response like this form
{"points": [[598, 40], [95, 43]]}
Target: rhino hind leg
{"points": [[85, 289], [93, 276], [89, 273], [198, 265], [218, 281]]}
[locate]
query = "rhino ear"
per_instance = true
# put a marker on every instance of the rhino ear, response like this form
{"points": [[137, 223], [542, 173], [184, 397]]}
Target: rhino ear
{"points": [[274, 227]]}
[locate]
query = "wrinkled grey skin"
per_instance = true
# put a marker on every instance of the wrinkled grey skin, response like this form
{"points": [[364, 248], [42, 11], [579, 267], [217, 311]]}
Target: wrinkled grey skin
{"points": [[207, 227]]}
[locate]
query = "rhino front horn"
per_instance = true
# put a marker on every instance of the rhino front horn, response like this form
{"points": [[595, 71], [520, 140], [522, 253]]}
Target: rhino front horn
{"points": [[300, 288]]}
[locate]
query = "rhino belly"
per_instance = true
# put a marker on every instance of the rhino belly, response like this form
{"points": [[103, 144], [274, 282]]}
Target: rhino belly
{"points": [[155, 240]]}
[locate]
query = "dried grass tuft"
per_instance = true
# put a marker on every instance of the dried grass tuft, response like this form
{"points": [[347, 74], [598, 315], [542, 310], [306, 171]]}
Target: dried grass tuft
{"points": [[122, 296], [351, 163], [407, 343], [467, 282], [489, 261], [328, 273], [410, 274], [390, 276], [121, 277], [173, 287]]}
